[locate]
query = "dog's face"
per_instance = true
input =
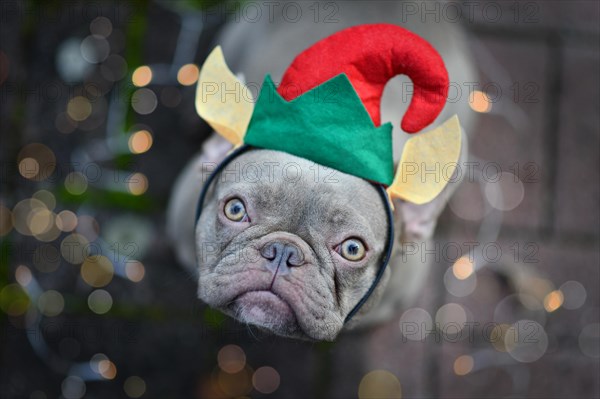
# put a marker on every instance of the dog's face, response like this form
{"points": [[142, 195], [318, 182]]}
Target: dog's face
{"points": [[289, 246]]}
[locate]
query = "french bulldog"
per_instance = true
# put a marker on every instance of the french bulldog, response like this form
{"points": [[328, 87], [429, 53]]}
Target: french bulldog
{"points": [[288, 245]]}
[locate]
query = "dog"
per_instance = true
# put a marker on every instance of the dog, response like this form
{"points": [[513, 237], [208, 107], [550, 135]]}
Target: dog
{"points": [[330, 228]]}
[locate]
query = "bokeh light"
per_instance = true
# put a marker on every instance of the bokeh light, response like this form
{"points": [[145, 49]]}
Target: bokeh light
{"points": [[135, 270], [142, 76], [13, 300], [95, 361], [107, 369], [21, 214], [140, 141], [51, 303], [100, 301], [134, 386], [75, 248], [6, 224], [462, 268], [101, 26], [79, 108], [266, 380], [23, 275], [46, 197], [137, 183], [574, 294], [451, 316], [73, 387], [40, 220], [29, 168], [379, 384], [144, 101], [76, 183], [553, 301], [97, 271], [94, 49], [231, 359], [463, 365], [36, 162], [415, 324], [526, 341], [479, 101], [188, 74], [66, 221]]}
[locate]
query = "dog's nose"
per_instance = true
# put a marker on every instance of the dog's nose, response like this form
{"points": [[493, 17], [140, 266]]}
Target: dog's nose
{"points": [[282, 256]]}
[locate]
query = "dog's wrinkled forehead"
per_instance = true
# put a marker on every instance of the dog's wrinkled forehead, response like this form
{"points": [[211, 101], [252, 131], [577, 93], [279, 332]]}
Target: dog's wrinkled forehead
{"points": [[302, 192]]}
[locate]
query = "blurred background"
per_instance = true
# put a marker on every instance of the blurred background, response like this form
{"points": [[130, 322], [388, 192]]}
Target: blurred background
{"points": [[97, 119]]}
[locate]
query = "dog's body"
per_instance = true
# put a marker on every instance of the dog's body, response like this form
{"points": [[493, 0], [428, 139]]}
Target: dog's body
{"points": [[311, 300]]}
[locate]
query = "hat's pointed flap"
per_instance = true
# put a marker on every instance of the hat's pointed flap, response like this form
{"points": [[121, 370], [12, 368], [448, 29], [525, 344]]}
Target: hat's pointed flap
{"points": [[222, 100], [428, 162]]}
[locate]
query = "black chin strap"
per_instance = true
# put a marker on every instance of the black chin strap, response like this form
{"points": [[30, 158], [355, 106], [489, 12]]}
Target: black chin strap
{"points": [[380, 189]]}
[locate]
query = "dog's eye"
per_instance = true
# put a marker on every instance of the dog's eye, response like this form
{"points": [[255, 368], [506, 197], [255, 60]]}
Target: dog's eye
{"points": [[353, 249], [235, 210]]}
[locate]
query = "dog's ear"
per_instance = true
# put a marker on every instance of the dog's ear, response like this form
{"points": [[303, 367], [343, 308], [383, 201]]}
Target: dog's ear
{"points": [[415, 223]]}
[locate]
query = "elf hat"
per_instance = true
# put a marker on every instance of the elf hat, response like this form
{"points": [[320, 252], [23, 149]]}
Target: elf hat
{"points": [[327, 109]]}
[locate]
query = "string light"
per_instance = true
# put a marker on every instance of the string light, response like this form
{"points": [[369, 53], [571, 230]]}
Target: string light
{"points": [[137, 184], [100, 301], [134, 270], [79, 108], [266, 380], [480, 102], [379, 384], [6, 223], [97, 270], [51, 303], [140, 141], [553, 301], [462, 268], [36, 162], [231, 359], [134, 386], [142, 76], [188, 74], [463, 365]]}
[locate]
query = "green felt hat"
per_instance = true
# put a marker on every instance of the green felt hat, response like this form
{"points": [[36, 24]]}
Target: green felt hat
{"points": [[328, 125]]}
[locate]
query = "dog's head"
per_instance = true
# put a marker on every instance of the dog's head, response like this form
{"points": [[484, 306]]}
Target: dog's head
{"points": [[283, 244], [287, 245]]}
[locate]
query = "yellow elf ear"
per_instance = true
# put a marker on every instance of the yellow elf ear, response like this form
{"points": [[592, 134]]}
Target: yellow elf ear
{"points": [[427, 164], [222, 100]]}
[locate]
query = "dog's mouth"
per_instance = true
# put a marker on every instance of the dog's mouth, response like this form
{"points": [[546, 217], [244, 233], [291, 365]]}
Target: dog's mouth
{"points": [[265, 308]]}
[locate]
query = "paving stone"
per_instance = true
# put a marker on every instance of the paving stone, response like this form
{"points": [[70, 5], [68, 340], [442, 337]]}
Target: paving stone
{"points": [[578, 179]]}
